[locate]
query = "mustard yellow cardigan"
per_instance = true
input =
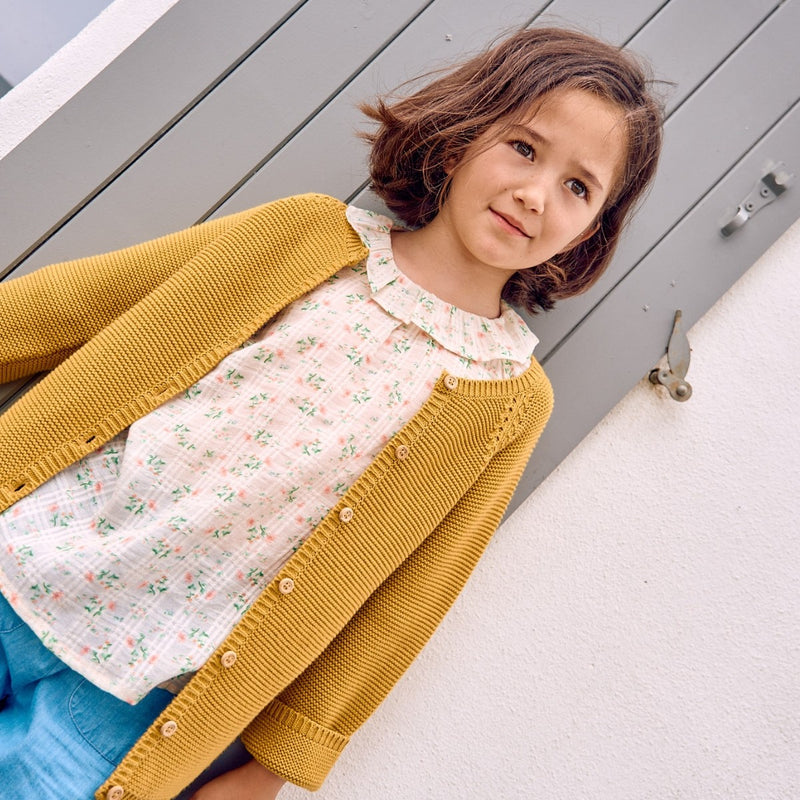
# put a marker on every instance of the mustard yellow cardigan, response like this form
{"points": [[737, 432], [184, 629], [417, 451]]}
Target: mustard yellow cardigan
{"points": [[314, 656]]}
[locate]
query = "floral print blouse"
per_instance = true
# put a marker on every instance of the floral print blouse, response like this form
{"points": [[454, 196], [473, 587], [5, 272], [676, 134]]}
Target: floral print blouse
{"points": [[134, 564]]}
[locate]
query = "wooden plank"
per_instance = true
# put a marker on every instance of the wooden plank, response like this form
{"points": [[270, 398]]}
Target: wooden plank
{"points": [[443, 32], [615, 21], [189, 168], [710, 131], [688, 40], [121, 111], [613, 348]]}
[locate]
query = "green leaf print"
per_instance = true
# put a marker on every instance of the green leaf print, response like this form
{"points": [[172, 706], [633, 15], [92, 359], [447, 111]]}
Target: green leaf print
{"points": [[312, 379], [136, 505], [306, 343], [311, 448], [263, 436], [103, 526], [354, 357], [157, 587], [234, 377], [101, 654], [138, 651], [85, 480], [307, 408], [107, 578], [94, 606], [264, 356], [155, 463]]}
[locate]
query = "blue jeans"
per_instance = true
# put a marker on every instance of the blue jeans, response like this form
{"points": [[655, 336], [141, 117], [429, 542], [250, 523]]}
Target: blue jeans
{"points": [[60, 736]]}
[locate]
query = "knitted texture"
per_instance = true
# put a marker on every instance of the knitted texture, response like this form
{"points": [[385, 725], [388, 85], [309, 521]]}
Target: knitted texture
{"points": [[167, 311], [312, 662]]}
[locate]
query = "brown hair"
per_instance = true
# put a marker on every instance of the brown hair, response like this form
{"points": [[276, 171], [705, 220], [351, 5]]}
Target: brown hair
{"points": [[421, 133]]}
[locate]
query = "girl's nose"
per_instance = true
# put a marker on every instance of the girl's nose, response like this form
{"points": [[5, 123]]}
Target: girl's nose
{"points": [[532, 195]]}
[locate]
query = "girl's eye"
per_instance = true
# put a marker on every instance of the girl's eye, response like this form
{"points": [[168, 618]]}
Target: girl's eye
{"points": [[524, 149], [577, 188]]}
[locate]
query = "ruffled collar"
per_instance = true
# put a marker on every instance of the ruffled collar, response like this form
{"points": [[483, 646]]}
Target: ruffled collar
{"points": [[466, 334]]}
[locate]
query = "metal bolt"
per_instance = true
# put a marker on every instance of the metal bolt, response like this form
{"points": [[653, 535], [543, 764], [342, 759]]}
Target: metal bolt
{"points": [[448, 37], [645, 307], [681, 390]]}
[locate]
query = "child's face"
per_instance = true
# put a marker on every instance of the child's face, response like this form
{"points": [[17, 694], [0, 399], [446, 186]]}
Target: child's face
{"points": [[537, 190]]}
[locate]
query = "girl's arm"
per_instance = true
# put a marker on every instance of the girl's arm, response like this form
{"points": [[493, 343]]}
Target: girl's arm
{"points": [[251, 781], [48, 314]]}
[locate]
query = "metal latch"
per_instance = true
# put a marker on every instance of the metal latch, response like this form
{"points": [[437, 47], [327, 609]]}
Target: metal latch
{"points": [[678, 355], [769, 187]]}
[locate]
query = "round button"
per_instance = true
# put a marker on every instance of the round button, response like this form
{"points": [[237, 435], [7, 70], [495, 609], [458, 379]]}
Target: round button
{"points": [[401, 453], [451, 381], [228, 659], [346, 514], [286, 586], [169, 728], [115, 793]]}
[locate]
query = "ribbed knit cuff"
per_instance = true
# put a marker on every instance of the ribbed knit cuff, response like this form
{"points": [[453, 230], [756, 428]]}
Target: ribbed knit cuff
{"points": [[293, 746]]}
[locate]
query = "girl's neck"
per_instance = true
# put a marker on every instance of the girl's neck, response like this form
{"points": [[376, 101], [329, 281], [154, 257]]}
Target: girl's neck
{"points": [[426, 258]]}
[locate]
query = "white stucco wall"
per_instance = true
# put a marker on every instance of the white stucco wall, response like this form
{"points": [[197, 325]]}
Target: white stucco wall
{"points": [[33, 30], [632, 631]]}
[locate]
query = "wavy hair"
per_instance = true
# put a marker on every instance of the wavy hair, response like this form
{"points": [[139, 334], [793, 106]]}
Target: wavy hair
{"points": [[419, 134]]}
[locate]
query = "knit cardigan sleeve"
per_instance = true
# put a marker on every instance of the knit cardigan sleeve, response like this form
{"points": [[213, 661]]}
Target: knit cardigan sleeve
{"points": [[301, 733], [46, 315]]}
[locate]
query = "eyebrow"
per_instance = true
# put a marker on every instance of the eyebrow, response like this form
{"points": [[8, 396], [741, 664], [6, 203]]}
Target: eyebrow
{"points": [[537, 137]]}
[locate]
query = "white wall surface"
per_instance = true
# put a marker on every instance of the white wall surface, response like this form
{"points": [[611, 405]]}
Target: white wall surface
{"points": [[32, 30], [632, 632]]}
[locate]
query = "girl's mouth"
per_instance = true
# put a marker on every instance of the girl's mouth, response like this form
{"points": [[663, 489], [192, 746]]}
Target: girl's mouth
{"points": [[510, 224]]}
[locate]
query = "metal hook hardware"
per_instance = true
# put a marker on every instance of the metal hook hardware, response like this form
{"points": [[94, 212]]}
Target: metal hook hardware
{"points": [[678, 355], [769, 187]]}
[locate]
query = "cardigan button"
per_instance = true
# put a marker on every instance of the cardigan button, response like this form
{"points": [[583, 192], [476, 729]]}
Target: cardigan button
{"points": [[401, 453], [115, 793], [451, 382], [286, 586], [346, 514], [228, 659], [169, 728]]}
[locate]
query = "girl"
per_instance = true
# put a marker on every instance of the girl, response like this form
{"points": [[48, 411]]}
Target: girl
{"points": [[295, 374]]}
